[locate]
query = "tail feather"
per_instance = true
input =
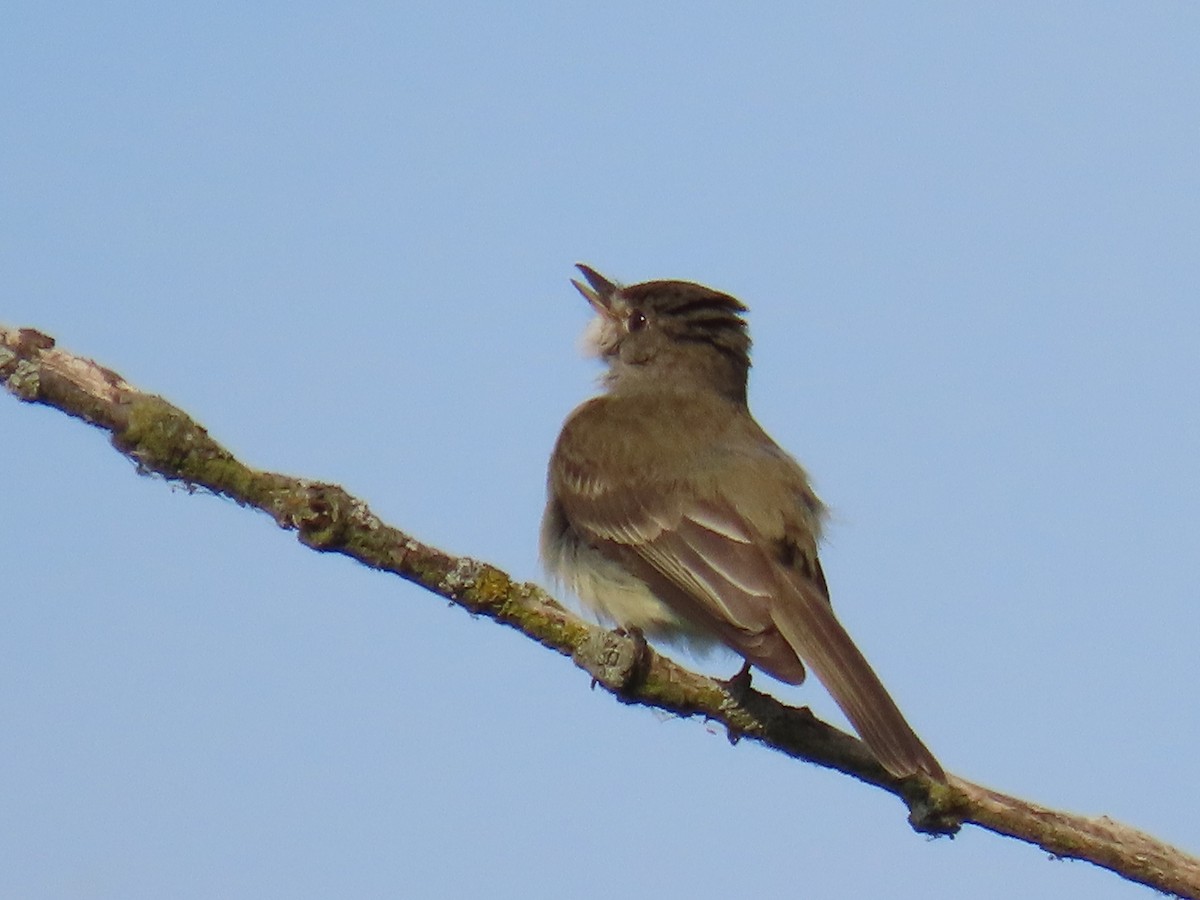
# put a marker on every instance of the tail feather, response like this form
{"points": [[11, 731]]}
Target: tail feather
{"points": [[807, 623]]}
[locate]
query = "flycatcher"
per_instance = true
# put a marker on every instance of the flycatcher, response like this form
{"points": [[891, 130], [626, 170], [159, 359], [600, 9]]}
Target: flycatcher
{"points": [[671, 512]]}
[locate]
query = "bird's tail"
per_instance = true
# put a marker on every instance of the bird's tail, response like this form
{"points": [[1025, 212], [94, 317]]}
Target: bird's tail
{"points": [[810, 626]]}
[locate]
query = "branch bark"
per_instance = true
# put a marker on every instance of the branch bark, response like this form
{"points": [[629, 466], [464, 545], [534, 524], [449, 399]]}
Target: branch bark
{"points": [[164, 440]]}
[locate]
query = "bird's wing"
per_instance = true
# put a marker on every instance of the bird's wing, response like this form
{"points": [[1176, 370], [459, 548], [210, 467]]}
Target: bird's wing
{"points": [[702, 564], [759, 588]]}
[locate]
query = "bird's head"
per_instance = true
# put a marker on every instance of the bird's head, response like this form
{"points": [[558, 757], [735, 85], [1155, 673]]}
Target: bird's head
{"points": [[667, 334]]}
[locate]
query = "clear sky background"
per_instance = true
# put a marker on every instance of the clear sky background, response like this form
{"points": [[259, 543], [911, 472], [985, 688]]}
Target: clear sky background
{"points": [[341, 236]]}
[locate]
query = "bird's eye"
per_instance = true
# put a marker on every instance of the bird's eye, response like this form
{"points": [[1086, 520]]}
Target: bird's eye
{"points": [[637, 320]]}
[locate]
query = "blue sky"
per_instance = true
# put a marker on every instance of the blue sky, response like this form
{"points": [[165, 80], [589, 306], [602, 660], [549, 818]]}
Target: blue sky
{"points": [[341, 237]]}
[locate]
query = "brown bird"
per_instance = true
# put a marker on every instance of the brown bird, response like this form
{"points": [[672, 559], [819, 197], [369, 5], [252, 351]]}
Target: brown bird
{"points": [[672, 513]]}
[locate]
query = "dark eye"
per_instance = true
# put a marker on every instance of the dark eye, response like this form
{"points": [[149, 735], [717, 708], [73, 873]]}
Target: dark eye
{"points": [[637, 320]]}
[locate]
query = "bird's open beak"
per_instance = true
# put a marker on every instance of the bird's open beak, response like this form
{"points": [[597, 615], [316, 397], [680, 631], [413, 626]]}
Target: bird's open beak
{"points": [[598, 291]]}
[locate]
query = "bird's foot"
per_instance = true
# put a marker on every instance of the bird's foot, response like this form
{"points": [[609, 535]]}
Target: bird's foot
{"points": [[639, 665], [738, 687], [622, 659]]}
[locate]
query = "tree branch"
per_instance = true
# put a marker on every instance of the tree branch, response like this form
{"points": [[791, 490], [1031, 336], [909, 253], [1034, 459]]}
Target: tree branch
{"points": [[164, 440]]}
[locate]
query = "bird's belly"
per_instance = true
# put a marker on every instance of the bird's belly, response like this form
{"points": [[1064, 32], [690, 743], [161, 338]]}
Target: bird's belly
{"points": [[619, 598]]}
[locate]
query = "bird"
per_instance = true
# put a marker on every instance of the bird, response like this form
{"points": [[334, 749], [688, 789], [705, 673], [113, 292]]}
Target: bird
{"points": [[674, 516]]}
